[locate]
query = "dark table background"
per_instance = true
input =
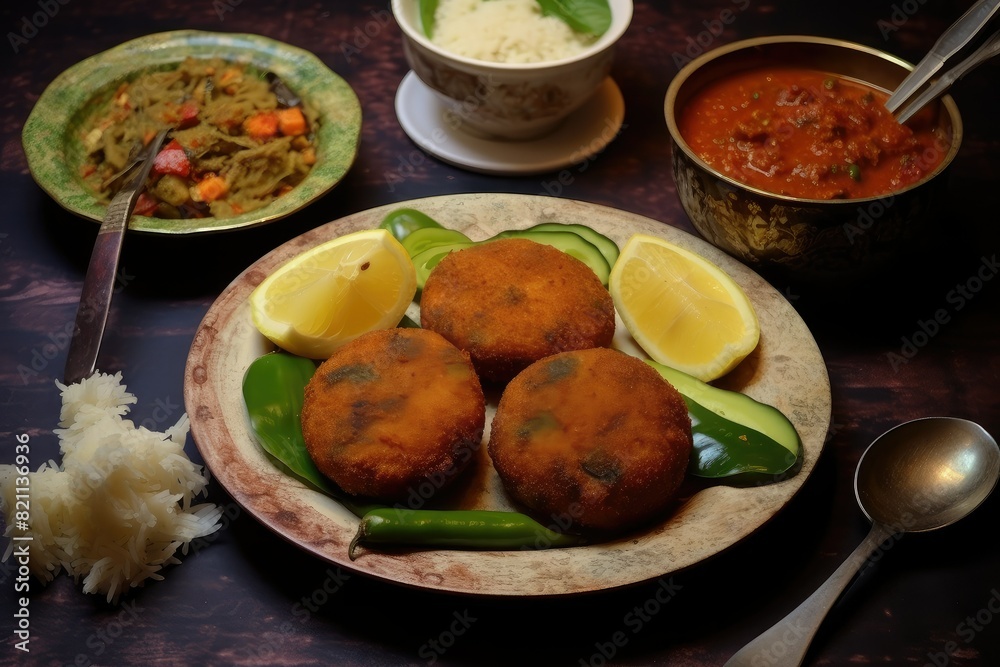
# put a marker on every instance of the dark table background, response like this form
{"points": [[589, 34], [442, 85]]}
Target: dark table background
{"points": [[237, 598]]}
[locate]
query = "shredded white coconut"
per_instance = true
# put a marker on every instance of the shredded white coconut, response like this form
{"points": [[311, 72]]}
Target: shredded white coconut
{"points": [[120, 506], [510, 31]]}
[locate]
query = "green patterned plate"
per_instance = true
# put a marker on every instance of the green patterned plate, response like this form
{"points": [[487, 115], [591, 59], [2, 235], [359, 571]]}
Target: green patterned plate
{"points": [[55, 153]]}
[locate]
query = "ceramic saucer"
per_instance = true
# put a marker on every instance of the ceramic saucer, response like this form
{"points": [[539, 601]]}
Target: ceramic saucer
{"points": [[584, 133]]}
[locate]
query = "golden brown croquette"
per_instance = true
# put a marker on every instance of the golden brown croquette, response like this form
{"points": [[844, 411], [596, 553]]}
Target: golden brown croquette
{"points": [[511, 302], [392, 410], [595, 437]]}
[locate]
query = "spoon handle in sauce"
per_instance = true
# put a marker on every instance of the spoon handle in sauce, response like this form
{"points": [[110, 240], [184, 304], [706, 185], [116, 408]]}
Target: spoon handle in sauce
{"points": [[989, 49], [785, 644]]}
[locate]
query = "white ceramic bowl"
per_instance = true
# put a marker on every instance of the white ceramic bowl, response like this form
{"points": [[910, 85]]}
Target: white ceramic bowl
{"points": [[509, 100]]}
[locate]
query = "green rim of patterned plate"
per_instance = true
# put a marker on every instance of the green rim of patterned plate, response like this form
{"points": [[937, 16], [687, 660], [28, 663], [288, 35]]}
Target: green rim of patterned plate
{"points": [[54, 150]]}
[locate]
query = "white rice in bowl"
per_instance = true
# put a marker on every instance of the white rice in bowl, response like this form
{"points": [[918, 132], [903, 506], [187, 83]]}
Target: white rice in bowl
{"points": [[122, 503], [507, 31]]}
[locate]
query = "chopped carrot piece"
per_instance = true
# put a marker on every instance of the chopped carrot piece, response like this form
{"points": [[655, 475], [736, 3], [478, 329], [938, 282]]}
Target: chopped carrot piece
{"points": [[230, 76], [211, 188], [291, 121], [261, 125]]}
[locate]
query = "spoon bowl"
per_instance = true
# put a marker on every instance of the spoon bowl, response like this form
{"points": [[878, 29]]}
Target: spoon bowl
{"points": [[926, 473], [919, 476]]}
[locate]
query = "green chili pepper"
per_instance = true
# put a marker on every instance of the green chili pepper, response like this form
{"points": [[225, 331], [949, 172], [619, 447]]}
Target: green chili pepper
{"points": [[854, 171], [402, 221], [456, 529], [273, 391]]}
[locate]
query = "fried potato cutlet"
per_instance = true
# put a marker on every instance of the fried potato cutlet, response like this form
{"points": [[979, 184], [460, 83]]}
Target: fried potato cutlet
{"points": [[393, 411], [511, 302], [595, 438]]}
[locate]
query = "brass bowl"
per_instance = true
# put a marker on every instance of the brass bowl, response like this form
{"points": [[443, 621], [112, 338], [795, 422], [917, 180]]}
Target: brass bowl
{"points": [[814, 238]]}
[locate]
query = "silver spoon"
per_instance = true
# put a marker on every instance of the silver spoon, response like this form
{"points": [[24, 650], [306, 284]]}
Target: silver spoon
{"points": [[989, 49], [958, 34], [921, 475]]}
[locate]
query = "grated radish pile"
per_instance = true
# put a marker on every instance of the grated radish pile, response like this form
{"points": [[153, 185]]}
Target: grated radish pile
{"points": [[120, 506]]}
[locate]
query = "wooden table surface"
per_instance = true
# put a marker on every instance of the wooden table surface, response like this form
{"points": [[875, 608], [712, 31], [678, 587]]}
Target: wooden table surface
{"points": [[246, 597]]}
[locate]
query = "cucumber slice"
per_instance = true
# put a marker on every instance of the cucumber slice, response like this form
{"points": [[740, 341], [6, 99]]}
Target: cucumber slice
{"points": [[425, 261], [735, 407], [734, 435], [607, 247], [570, 243], [422, 239]]}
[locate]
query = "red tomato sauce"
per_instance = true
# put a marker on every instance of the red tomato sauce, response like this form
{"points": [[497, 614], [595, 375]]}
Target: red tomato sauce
{"points": [[807, 134]]}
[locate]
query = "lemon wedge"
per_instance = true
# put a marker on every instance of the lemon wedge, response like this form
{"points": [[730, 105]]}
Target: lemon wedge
{"points": [[331, 294], [682, 310]]}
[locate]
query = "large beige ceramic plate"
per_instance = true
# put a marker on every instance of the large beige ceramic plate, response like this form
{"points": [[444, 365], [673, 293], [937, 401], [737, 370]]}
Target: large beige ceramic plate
{"points": [[51, 135], [786, 371]]}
